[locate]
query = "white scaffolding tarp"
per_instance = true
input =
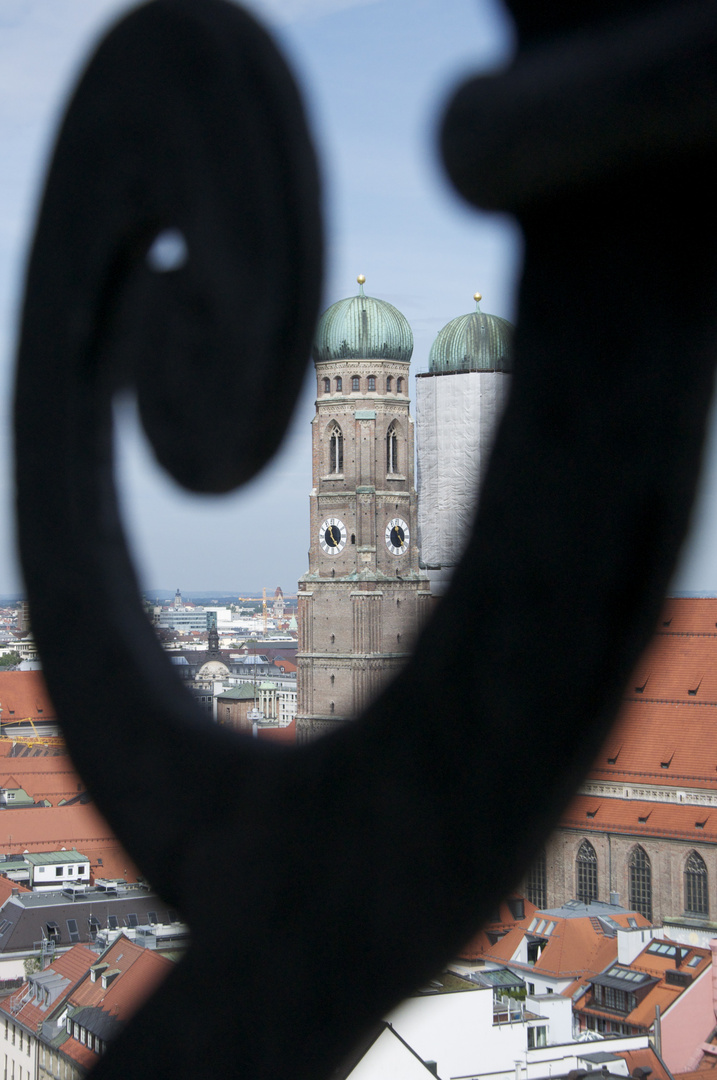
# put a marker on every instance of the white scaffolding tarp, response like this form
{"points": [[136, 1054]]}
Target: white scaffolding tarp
{"points": [[456, 420]]}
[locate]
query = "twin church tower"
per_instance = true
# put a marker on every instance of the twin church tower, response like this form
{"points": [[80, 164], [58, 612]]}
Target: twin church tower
{"points": [[366, 594]]}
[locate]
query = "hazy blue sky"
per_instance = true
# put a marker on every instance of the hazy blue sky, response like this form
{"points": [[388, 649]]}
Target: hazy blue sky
{"points": [[375, 74]]}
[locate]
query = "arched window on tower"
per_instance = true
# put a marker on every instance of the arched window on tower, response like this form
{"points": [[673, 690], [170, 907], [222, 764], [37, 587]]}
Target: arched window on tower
{"points": [[399, 384], [339, 384], [696, 895], [336, 450], [327, 386], [640, 883], [586, 873], [371, 383], [392, 450], [389, 383], [355, 382], [536, 881]]}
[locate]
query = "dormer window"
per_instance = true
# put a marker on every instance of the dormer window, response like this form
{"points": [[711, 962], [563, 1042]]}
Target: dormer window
{"points": [[535, 948]]}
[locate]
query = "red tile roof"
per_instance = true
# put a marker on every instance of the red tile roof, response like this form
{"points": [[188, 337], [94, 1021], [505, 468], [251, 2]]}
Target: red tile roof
{"points": [[7, 887], [692, 614], [633, 817], [53, 828], [23, 695], [645, 1059], [704, 1071], [52, 778], [74, 1049], [672, 689], [662, 993], [575, 948], [279, 734], [71, 965], [141, 972], [481, 941]]}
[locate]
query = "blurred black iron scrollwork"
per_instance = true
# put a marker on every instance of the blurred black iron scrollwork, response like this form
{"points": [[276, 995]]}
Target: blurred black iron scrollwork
{"points": [[352, 869]]}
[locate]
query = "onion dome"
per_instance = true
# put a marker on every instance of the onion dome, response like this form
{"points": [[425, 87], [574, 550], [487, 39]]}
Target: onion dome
{"points": [[473, 342], [362, 328]]}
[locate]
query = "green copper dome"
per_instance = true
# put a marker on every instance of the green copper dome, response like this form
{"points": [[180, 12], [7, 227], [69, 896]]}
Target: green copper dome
{"points": [[474, 342], [362, 328]]}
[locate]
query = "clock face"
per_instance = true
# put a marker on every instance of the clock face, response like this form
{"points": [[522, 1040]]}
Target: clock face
{"points": [[397, 536], [332, 536]]}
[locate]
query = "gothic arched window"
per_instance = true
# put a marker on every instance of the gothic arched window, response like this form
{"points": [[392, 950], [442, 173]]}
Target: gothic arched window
{"points": [[399, 385], [389, 383], [536, 881], [586, 873], [336, 450], [372, 382], [327, 386], [355, 382], [392, 450], [339, 384], [696, 896], [640, 883]]}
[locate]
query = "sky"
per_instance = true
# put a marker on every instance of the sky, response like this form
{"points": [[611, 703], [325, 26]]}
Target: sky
{"points": [[375, 76]]}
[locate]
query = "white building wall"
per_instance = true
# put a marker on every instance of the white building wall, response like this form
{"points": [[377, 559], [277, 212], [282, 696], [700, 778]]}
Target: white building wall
{"points": [[389, 1059], [18, 1051], [13, 967], [557, 1011], [456, 1030], [630, 943], [456, 422]]}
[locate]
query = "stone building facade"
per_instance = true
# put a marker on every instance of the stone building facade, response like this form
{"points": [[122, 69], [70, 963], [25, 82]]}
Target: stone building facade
{"points": [[362, 601], [643, 828]]}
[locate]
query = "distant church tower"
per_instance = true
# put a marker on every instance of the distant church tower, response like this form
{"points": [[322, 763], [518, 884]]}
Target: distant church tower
{"points": [[362, 601], [459, 401]]}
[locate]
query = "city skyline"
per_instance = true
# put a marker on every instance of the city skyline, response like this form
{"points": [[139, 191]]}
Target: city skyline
{"points": [[375, 75]]}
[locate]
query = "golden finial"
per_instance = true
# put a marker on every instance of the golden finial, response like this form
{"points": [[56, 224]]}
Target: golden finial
{"points": [[361, 279], [477, 297]]}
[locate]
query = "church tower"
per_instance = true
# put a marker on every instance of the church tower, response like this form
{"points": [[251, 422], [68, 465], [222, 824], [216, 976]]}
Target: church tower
{"points": [[363, 599], [459, 402]]}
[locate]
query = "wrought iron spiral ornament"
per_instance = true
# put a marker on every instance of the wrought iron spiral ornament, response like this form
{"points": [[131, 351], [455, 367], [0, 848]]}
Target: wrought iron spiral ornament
{"points": [[322, 885]]}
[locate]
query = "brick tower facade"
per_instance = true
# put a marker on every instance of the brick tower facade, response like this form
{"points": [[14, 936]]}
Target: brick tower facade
{"points": [[363, 599]]}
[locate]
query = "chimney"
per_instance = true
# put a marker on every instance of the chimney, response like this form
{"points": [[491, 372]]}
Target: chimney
{"points": [[658, 1032], [615, 899], [630, 943]]}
